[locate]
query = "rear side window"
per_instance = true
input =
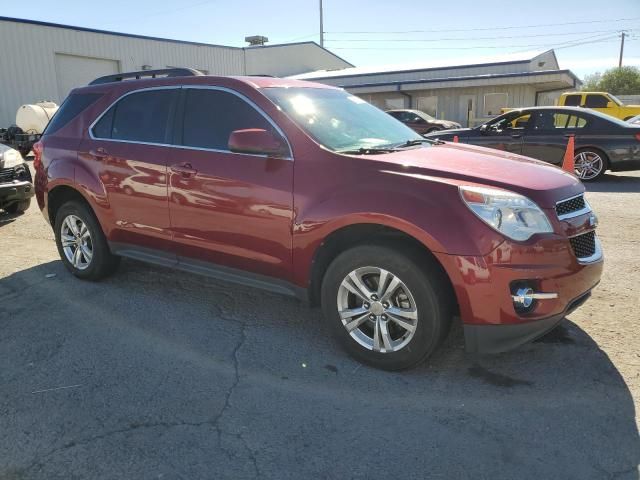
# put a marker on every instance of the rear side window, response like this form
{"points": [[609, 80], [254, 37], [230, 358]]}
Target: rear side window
{"points": [[70, 108], [138, 117], [596, 101], [211, 115], [572, 100]]}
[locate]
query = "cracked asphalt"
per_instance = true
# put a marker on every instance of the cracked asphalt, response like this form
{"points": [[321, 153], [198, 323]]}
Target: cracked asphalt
{"points": [[155, 374]]}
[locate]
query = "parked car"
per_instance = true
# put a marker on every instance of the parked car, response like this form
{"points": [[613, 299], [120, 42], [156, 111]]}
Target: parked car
{"points": [[421, 122], [601, 142], [306, 190], [16, 187], [600, 101]]}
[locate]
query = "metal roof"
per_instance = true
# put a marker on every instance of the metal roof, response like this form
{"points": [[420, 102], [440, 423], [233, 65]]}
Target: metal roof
{"points": [[512, 58]]}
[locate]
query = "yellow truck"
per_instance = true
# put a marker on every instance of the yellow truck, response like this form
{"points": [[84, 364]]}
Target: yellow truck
{"points": [[601, 101]]}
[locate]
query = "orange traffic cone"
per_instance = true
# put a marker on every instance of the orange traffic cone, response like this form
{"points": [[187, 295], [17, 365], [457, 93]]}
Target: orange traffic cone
{"points": [[455, 139], [568, 162]]}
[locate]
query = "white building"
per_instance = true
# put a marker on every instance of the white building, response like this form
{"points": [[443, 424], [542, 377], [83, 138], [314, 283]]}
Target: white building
{"points": [[466, 92], [44, 61]]}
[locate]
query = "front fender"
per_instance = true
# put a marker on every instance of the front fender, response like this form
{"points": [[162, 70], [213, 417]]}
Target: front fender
{"points": [[438, 219]]}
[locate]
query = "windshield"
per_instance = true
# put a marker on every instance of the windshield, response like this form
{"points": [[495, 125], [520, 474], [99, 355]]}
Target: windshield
{"points": [[340, 121], [616, 99]]}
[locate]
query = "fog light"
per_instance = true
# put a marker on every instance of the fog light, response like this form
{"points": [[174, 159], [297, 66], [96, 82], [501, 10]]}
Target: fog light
{"points": [[524, 298]]}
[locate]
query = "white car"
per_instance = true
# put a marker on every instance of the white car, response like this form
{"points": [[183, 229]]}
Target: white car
{"points": [[16, 186]]}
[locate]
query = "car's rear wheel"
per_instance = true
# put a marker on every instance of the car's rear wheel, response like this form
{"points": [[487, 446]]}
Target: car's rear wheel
{"points": [[384, 309], [81, 243], [590, 164]]}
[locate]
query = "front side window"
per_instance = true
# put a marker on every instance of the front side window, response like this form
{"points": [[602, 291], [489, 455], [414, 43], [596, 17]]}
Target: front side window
{"points": [[338, 120], [139, 117], [572, 100], [211, 115], [596, 101]]}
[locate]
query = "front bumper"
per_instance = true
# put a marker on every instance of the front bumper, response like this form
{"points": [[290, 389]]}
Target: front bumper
{"points": [[502, 338], [15, 191], [483, 287]]}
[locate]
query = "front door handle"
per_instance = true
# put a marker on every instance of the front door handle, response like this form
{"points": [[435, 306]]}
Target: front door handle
{"points": [[184, 169], [98, 153]]}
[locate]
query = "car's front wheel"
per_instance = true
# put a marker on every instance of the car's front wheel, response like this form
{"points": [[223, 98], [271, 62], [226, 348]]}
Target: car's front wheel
{"points": [[388, 309], [81, 243]]}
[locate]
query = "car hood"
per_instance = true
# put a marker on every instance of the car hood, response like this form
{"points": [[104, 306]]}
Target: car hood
{"points": [[467, 164], [446, 123]]}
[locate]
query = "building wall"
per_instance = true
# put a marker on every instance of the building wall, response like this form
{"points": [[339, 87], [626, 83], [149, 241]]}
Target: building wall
{"points": [[44, 62], [452, 103], [29, 52]]}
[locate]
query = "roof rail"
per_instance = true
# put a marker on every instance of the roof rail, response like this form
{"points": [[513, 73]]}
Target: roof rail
{"points": [[164, 72]]}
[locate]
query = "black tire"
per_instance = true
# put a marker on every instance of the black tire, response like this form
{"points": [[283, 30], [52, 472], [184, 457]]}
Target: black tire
{"points": [[103, 263], [24, 151], [18, 207], [605, 163], [427, 286]]}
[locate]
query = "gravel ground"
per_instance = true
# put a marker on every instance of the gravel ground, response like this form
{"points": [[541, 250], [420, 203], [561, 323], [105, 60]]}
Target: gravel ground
{"points": [[165, 375]]}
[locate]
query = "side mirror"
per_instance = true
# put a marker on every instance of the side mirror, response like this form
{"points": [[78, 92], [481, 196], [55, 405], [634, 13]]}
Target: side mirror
{"points": [[256, 141], [483, 128], [610, 104]]}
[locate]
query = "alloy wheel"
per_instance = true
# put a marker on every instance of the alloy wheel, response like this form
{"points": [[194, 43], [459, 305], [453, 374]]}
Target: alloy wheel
{"points": [[588, 165], [76, 242], [377, 309]]}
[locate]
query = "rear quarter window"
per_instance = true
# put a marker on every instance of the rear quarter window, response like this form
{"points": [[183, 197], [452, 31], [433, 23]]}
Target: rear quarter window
{"points": [[70, 109]]}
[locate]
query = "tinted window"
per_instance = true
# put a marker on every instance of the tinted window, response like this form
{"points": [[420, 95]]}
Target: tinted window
{"points": [[555, 121], [211, 115], [70, 108], [572, 100], [596, 101], [140, 117]]}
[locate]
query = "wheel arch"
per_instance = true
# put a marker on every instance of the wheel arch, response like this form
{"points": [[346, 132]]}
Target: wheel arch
{"points": [[61, 194], [352, 235]]}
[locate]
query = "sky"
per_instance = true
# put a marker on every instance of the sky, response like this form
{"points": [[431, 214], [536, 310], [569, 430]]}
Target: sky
{"points": [[585, 34]]}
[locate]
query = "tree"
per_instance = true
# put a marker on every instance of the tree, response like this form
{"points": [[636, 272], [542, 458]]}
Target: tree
{"points": [[591, 82], [617, 81]]}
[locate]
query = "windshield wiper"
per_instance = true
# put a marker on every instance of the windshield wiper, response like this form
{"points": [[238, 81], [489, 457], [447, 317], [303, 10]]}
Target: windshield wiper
{"points": [[419, 141], [369, 150]]}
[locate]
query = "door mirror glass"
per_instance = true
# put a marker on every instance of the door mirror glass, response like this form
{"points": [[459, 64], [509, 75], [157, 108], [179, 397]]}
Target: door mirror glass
{"points": [[257, 141]]}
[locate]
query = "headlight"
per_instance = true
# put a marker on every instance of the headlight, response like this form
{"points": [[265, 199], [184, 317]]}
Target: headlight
{"points": [[10, 159], [513, 215]]}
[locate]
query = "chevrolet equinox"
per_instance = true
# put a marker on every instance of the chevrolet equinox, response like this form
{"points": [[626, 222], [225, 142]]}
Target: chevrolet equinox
{"points": [[307, 190]]}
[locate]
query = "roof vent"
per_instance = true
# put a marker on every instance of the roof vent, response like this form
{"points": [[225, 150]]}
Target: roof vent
{"points": [[256, 40]]}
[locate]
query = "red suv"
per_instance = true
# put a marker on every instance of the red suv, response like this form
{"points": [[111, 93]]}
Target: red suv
{"points": [[306, 190]]}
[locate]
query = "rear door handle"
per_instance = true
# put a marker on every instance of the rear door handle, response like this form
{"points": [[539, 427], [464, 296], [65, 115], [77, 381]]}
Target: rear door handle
{"points": [[516, 135], [98, 153], [567, 135], [184, 169]]}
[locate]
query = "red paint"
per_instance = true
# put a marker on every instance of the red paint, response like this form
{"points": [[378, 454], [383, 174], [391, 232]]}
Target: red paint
{"points": [[270, 215]]}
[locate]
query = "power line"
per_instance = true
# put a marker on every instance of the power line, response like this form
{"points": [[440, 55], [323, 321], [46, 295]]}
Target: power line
{"points": [[463, 38], [492, 28], [475, 47]]}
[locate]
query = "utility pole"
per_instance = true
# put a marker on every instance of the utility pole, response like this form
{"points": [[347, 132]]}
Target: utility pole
{"points": [[622, 35], [322, 29]]}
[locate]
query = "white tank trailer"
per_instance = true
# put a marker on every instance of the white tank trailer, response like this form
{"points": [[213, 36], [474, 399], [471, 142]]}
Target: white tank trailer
{"points": [[31, 120]]}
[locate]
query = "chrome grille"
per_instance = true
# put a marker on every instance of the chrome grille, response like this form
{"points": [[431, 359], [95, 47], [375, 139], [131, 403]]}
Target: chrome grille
{"points": [[584, 245], [572, 207], [7, 174]]}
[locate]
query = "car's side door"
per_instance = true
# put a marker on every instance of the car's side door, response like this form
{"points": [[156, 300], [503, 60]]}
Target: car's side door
{"points": [[230, 209], [127, 149], [548, 135], [505, 133]]}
